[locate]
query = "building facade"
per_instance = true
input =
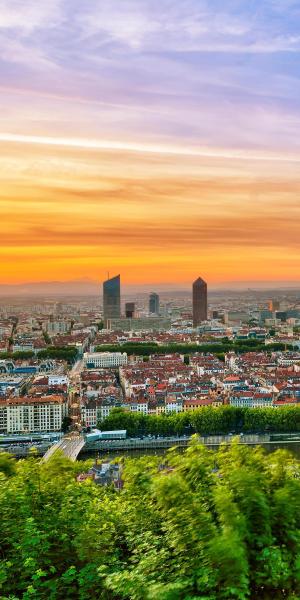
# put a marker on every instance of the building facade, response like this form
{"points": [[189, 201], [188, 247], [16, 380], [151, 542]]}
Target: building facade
{"points": [[96, 360], [30, 414], [151, 323], [199, 301], [129, 310], [111, 299], [154, 304], [92, 413]]}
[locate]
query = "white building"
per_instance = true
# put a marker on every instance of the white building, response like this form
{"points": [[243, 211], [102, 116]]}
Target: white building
{"points": [[31, 414], [173, 406], [26, 346], [97, 360], [58, 380]]}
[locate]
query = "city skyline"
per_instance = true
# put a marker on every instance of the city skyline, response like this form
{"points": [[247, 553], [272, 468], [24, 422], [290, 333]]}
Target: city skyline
{"points": [[154, 138]]}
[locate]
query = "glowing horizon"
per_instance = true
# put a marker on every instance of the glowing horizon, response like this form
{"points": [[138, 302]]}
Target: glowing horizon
{"points": [[162, 141]]}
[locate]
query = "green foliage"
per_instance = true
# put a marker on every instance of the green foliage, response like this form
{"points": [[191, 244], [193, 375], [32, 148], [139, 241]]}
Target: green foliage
{"points": [[7, 464], [206, 420], [68, 353], [239, 346], [66, 422], [203, 524], [17, 355]]}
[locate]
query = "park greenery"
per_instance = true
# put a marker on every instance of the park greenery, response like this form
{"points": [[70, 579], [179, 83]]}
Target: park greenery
{"points": [[202, 524], [70, 353], [218, 348], [206, 420], [19, 355], [67, 353]]}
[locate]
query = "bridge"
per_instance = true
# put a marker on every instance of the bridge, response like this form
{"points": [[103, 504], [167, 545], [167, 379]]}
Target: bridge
{"points": [[69, 445]]}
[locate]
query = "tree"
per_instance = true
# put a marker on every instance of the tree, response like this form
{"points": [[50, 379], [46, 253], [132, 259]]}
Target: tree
{"points": [[203, 524], [7, 464], [206, 420], [66, 423], [67, 353]]}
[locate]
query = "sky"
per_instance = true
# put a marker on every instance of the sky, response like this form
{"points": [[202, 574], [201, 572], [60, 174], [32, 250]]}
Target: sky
{"points": [[156, 139]]}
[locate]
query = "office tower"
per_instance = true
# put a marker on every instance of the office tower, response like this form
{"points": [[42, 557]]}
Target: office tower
{"points": [[111, 299], [199, 301], [129, 310], [154, 303]]}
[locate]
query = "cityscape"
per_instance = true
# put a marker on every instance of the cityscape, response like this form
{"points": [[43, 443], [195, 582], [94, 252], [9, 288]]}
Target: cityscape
{"points": [[76, 360], [149, 300]]}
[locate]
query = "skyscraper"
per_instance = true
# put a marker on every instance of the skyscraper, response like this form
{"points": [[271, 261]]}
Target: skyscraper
{"points": [[154, 304], [129, 310], [199, 301], [111, 299]]}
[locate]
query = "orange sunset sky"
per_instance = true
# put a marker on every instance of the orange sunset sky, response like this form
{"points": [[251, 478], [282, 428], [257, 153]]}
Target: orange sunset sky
{"points": [[158, 149]]}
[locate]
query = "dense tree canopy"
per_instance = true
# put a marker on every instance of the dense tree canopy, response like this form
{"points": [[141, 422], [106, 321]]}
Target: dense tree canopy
{"points": [[203, 524], [206, 421], [68, 353], [21, 354], [213, 347]]}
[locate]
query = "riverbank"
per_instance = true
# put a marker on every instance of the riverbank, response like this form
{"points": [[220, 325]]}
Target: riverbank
{"points": [[182, 441], [139, 447]]}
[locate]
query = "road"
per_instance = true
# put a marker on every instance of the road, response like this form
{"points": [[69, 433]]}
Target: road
{"points": [[74, 376], [76, 369], [74, 392], [70, 446]]}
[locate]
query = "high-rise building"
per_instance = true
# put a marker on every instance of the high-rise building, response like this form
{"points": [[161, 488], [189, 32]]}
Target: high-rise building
{"points": [[111, 299], [199, 301], [154, 304], [129, 310]]}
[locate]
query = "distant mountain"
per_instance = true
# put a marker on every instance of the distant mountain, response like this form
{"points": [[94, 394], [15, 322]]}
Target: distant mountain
{"points": [[88, 287], [49, 288]]}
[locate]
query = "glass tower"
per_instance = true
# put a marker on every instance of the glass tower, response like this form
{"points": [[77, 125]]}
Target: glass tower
{"points": [[154, 304], [111, 299]]}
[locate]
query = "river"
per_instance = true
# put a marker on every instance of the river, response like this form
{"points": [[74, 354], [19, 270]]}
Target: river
{"points": [[284, 442]]}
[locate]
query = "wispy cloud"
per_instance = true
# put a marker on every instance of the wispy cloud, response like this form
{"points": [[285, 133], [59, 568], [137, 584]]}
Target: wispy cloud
{"points": [[189, 27], [27, 17], [147, 133], [111, 145]]}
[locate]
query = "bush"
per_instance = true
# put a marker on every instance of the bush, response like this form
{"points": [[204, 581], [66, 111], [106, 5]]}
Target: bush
{"points": [[203, 524]]}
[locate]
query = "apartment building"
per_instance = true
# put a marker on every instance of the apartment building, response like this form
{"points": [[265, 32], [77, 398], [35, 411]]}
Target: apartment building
{"points": [[32, 414], [101, 360]]}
